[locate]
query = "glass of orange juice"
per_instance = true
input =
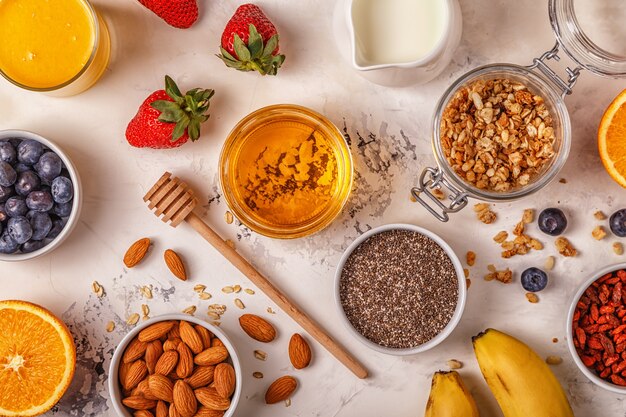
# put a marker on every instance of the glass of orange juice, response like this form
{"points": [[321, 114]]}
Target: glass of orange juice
{"points": [[61, 47]]}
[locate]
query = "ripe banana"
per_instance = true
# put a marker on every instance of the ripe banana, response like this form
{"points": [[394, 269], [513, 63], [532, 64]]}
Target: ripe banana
{"points": [[522, 383], [449, 397]]}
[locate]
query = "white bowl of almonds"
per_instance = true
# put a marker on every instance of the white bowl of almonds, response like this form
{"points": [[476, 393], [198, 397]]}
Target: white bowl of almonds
{"points": [[175, 365]]}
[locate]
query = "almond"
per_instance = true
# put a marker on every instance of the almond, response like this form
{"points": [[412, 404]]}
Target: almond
{"points": [[207, 412], [123, 371], [155, 331], [216, 342], [211, 356], [189, 335], [173, 412], [135, 350], [153, 353], [144, 390], [161, 409], [136, 374], [143, 413], [184, 399], [171, 344], [175, 264], [224, 379], [209, 398], [184, 368], [137, 402], [201, 377], [167, 362], [161, 387], [257, 328], [299, 352], [175, 332], [205, 335], [136, 252], [281, 389]]}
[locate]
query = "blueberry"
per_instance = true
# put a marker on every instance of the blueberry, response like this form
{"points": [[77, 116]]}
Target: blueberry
{"points": [[15, 142], [15, 207], [27, 181], [57, 225], [7, 244], [618, 223], [5, 193], [534, 279], [29, 151], [7, 152], [20, 167], [63, 209], [7, 174], [41, 224], [49, 166], [552, 221], [19, 229], [32, 246], [40, 201], [62, 190]]}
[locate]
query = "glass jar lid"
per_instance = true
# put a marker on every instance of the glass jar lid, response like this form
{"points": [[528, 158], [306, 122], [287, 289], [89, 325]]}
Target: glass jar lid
{"points": [[578, 45]]}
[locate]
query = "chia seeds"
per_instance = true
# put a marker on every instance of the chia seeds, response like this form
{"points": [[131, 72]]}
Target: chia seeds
{"points": [[399, 288]]}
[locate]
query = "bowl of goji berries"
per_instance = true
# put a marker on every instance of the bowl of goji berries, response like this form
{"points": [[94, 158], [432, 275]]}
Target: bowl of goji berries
{"points": [[596, 330]]}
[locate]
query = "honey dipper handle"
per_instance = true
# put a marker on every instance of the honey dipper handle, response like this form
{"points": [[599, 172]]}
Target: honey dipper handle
{"points": [[277, 296]]}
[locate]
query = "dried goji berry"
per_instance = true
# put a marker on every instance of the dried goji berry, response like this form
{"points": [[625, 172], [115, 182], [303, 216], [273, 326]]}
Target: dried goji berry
{"points": [[611, 360], [618, 380], [618, 367], [606, 372], [594, 343], [619, 329], [604, 278], [594, 312], [606, 309], [581, 336], [620, 338], [588, 360], [605, 327]]}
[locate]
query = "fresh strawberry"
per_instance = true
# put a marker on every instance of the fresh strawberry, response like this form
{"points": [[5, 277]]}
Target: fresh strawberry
{"points": [[166, 119], [250, 42], [178, 13]]}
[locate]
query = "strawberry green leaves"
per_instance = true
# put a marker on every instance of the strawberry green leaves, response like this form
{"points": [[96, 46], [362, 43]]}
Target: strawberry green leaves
{"points": [[255, 56], [187, 111]]}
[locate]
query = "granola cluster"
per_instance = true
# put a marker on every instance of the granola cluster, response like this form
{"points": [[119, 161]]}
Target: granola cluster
{"points": [[497, 135]]}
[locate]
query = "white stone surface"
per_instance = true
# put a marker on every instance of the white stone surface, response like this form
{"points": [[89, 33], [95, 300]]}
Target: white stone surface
{"points": [[396, 125]]}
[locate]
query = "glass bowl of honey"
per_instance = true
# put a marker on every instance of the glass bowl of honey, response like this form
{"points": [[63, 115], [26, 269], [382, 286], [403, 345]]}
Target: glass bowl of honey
{"points": [[286, 171]]}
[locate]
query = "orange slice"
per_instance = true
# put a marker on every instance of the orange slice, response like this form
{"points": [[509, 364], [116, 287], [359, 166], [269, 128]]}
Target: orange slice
{"points": [[37, 359], [612, 139]]}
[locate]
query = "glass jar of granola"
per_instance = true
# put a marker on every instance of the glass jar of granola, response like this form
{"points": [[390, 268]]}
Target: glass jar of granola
{"points": [[502, 131]]}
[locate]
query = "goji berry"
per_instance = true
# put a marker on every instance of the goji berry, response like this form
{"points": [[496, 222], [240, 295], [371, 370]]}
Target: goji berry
{"points": [[606, 372], [606, 309], [619, 329], [581, 336], [588, 360], [618, 380]]}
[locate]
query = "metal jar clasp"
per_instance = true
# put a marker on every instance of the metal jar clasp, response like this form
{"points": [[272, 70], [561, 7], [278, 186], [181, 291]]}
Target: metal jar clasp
{"points": [[431, 179]]}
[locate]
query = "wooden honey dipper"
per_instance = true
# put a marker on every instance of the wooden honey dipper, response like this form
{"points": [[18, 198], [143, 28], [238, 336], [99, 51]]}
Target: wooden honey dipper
{"points": [[175, 201]]}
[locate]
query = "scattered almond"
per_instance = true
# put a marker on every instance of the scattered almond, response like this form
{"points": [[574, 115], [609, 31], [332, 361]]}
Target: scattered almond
{"points": [[598, 233], [532, 297], [554, 360], [281, 389], [299, 352], [618, 248], [257, 328], [470, 258], [136, 252], [175, 264], [454, 364]]}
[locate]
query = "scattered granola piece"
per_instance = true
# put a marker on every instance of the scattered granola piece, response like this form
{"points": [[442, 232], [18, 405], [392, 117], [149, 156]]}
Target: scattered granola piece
{"points": [[470, 258], [145, 310], [269, 310], [564, 247], [505, 276], [535, 244], [618, 248], [214, 315], [549, 264], [487, 216], [438, 194], [490, 277], [598, 233], [454, 364], [519, 229], [508, 245], [491, 268], [532, 297], [528, 216], [288, 402], [110, 326], [412, 198], [599, 215], [554, 360], [501, 236]]}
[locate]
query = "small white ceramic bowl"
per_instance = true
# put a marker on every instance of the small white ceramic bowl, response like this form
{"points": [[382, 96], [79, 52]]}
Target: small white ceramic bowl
{"points": [[590, 374], [77, 202], [114, 385], [460, 306]]}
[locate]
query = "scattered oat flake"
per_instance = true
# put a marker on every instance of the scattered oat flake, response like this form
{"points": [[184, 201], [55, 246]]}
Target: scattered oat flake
{"points": [[260, 355], [269, 310], [491, 268], [618, 248], [532, 297], [554, 360], [466, 272], [213, 315], [199, 288], [598, 233], [190, 310], [132, 319], [230, 243], [239, 303], [454, 364], [249, 291], [216, 323], [468, 282], [501, 236], [110, 326], [204, 295], [470, 258], [528, 216], [228, 290], [599, 215], [236, 288], [145, 309], [146, 291], [97, 289], [490, 277], [257, 375], [549, 264], [228, 217], [288, 402]]}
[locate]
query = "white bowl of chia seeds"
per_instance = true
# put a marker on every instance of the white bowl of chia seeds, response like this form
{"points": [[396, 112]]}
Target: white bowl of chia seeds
{"points": [[400, 289]]}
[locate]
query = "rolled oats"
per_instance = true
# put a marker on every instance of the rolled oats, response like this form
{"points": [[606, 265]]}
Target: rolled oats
{"points": [[497, 135]]}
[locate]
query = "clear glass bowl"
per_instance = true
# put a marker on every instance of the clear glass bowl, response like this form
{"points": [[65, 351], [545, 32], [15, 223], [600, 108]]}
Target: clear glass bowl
{"points": [[236, 156]]}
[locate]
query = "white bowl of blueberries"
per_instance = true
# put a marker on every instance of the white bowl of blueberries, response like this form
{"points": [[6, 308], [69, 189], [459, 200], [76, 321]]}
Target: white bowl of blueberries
{"points": [[40, 195]]}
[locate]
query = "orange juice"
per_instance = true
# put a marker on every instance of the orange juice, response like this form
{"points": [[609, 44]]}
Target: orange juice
{"points": [[50, 44]]}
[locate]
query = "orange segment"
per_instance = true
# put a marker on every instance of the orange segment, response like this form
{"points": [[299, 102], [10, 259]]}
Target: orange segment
{"points": [[37, 359], [612, 139]]}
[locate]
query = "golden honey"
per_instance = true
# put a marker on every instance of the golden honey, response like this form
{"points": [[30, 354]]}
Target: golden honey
{"points": [[286, 171]]}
